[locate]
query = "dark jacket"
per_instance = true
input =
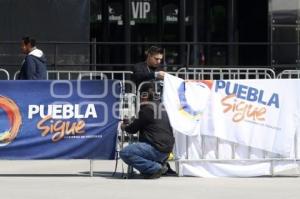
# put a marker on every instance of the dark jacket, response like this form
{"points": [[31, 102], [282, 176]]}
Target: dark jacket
{"points": [[33, 68], [142, 72], [154, 131]]}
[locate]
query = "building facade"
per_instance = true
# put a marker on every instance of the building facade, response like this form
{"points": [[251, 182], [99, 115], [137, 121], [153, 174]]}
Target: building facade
{"points": [[114, 34], [200, 32]]}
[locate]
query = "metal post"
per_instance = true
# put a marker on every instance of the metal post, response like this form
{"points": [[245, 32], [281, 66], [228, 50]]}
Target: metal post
{"points": [[127, 31], [182, 31], [202, 146], [94, 54], [195, 33], [231, 32], [55, 57], [233, 150], [217, 149], [249, 152], [105, 33], [272, 62], [188, 54], [91, 168], [296, 145], [187, 147], [272, 168]]}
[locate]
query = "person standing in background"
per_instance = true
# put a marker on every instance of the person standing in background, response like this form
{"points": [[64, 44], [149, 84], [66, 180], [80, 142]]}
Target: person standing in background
{"points": [[151, 68], [34, 64]]}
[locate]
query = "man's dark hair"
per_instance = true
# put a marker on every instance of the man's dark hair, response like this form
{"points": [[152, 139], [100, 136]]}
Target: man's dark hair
{"points": [[153, 50], [28, 40], [148, 90]]}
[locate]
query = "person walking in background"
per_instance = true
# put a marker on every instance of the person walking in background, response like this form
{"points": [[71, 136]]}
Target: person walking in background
{"points": [[34, 64]]}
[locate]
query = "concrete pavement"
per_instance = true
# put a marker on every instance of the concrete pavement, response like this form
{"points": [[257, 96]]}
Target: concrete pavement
{"points": [[70, 179]]}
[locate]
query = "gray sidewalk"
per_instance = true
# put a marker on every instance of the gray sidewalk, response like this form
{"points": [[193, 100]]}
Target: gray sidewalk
{"points": [[70, 179]]}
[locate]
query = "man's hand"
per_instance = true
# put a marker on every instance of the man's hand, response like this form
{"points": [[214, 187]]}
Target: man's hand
{"points": [[123, 125], [160, 75]]}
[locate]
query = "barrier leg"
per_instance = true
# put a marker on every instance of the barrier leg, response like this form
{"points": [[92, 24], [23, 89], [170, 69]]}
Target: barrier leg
{"points": [[272, 168], [91, 168]]}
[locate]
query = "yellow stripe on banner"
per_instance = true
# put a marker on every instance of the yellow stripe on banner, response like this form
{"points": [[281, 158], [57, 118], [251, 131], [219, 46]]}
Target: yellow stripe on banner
{"points": [[189, 116]]}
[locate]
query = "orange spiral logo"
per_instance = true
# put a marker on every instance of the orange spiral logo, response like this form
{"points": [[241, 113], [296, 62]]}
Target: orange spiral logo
{"points": [[14, 117]]}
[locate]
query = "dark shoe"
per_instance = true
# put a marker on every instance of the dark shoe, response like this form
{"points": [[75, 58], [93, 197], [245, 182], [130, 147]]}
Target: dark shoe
{"points": [[165, 168], [157, 174], [169, 171]]}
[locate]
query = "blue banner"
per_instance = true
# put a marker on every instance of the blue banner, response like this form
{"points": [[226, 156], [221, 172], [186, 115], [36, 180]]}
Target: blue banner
{"points": [[58, 119]]}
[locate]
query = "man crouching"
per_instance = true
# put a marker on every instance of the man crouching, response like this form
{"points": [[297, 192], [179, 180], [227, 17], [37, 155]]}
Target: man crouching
{"points": [[156, 140]]}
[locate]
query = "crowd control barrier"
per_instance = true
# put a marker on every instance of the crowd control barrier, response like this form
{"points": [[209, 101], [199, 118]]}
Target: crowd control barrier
{"points": [[225, 73], [127, 96], [289, 74], [217, 151], [213, 150], [218, 154], [4, 74], [75, 75], [59, 119]]}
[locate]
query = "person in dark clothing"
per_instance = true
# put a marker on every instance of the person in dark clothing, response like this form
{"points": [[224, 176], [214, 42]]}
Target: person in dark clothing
{"points": [[34, 65], [150, 69], [156, 140]]}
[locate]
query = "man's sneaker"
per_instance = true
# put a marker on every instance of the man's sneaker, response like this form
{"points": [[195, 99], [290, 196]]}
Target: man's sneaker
{"points": [[157, 174], [165, 168], [168, 170]]}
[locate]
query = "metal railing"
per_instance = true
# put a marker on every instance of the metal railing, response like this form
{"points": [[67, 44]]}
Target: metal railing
{"points": [[289, 74], [195, 74], [185, 73], [225, 73], [4, 74], [77, 75], [97, 54], [213, 153]]}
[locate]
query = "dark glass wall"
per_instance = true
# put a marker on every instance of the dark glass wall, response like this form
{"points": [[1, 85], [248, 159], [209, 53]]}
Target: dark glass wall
{"points": [[204, 21], [252, 27], [47, 21], [285, 31]]}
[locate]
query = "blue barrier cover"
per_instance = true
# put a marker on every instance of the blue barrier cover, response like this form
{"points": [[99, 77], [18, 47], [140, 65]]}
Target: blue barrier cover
{"points": [[58, 119]]}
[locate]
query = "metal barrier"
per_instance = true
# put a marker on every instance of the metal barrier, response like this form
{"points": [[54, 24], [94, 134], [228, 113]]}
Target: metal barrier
{"points": [[226, 73], [75, 75], [16, 75], [187, 53], [126, 99], [289, 74], [187, 73], [6, 74], [292, 74], [252, 154], [128, 87]]}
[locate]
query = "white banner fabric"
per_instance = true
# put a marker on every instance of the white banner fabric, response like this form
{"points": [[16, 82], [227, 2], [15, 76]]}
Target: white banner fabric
{"points": [[263, 114]]}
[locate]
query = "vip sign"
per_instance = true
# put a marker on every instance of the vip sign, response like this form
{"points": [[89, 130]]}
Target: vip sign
{"points": [[143, 11]]}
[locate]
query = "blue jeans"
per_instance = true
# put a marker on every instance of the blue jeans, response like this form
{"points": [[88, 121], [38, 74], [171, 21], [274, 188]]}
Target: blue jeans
{"points": [[143, 157]]}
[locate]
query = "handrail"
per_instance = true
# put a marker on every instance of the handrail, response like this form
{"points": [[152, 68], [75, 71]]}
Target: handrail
{"points": [[226, 73], [158, 43], [188, 46], [289, 74], [5, 72], [66, 74]]}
